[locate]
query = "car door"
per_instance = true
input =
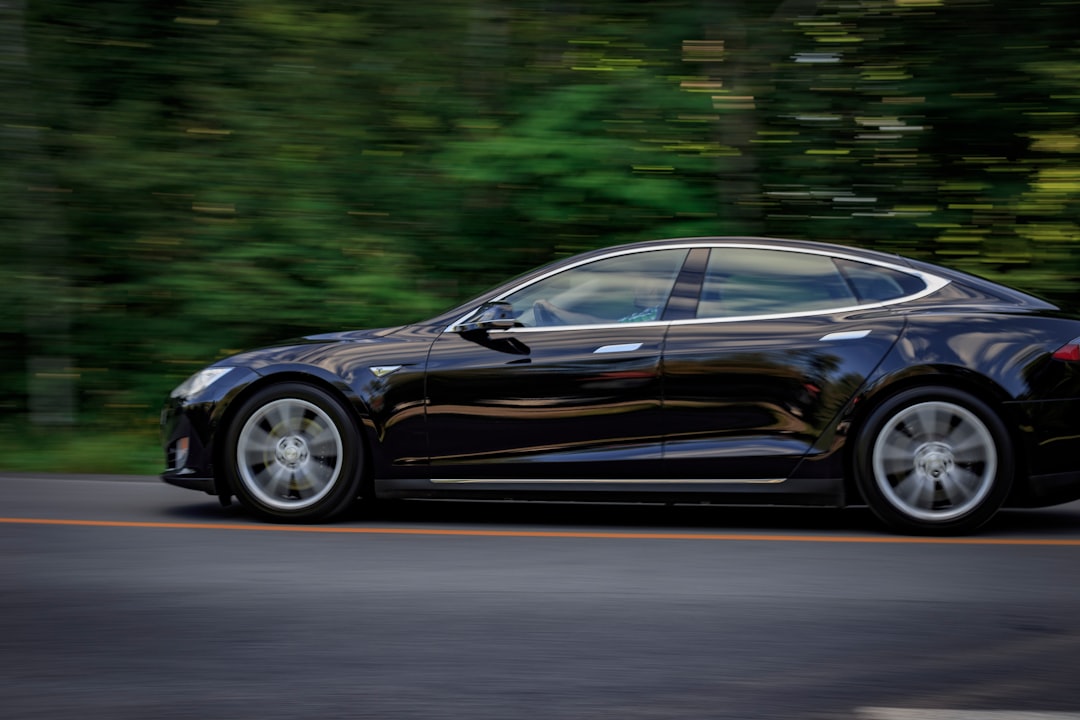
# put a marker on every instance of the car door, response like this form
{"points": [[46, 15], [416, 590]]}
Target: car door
{"points": [[571, 394], [780, 342]]}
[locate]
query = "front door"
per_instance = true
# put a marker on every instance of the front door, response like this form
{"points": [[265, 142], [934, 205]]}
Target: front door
{"points": [[571, 395], [552, 405]]}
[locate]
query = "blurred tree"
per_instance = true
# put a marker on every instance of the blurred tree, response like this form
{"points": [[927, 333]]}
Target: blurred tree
{"points": [[937, 128], [590, 140], [37, 360], [182, 179]]}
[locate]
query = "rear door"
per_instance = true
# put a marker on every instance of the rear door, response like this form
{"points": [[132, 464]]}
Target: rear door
{"points": [[780, 342]]}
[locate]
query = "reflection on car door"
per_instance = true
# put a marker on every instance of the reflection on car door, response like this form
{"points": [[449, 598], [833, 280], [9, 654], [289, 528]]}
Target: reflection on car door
{"points": [[746, 400], [753, 381], [552, 404]]}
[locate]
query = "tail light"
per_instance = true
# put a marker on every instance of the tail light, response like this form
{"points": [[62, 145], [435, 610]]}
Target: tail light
{"points": [[1069, 352]]}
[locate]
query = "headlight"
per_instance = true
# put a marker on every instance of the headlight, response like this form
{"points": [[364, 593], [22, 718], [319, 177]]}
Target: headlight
{"points": [[199, 382]]}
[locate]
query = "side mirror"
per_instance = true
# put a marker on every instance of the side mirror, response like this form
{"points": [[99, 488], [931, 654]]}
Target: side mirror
{"points": [[489, 316]]}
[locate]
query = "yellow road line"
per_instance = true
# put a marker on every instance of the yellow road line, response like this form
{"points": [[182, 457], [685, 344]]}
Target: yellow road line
{"points": [[744, 537]]}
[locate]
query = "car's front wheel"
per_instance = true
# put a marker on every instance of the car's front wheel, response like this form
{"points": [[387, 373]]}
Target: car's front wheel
{"points": [[934, 461], [294, 455]]}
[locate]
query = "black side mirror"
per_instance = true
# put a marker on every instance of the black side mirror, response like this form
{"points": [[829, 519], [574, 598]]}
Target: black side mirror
{"points": [[489, 316]]}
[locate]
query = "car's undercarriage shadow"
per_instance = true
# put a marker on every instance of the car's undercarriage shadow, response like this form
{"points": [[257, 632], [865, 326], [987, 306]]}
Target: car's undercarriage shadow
{"points": [[209, 511], [1044, 522], [619, 516], [1055, 521], [560, 516]]}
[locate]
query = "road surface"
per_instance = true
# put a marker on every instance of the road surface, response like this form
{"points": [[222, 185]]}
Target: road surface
{"points": [[127, 598]]}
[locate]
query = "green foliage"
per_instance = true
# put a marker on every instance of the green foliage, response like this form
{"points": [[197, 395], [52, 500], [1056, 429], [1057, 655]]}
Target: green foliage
{"points": [[80, 451], [186, 179], [945, 129]]}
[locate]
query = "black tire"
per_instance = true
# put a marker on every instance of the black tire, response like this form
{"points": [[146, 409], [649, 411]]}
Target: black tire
{"points": [[934, 461], [293, 454]]}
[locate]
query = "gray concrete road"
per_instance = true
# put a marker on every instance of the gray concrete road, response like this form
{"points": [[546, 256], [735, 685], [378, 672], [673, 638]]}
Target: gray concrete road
{"points": [[126, 598]]}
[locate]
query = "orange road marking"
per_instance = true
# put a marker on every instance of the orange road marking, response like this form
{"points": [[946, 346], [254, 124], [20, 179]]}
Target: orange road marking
{"points": [[584, 534]]}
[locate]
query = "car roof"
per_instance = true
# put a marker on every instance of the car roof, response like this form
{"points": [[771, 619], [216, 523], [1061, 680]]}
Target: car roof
{"points": [[778, 243]]}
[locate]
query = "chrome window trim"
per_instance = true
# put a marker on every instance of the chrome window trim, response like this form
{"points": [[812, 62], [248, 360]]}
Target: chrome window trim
{"points": [[933, 284]]}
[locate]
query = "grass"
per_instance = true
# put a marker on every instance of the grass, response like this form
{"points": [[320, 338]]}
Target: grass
{"points": [[26, 448]]}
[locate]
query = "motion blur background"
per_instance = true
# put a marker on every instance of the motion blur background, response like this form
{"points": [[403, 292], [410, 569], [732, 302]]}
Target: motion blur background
{"points": [[179, 180]]}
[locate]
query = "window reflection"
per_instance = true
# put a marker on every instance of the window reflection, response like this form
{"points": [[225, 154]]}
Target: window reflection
{"points": [[746, 281], [626, 288]]}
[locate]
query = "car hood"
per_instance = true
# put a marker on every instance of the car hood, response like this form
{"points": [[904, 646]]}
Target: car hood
{"points": [[328, 349], [348, 336]]}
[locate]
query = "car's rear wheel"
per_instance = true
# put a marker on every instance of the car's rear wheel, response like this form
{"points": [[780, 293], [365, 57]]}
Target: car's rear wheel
{"points": [[934, 461], [294, 455]]}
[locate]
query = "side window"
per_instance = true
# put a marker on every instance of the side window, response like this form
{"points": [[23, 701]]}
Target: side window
{"points": [[873, 283], [625, 288], [747, 281]]}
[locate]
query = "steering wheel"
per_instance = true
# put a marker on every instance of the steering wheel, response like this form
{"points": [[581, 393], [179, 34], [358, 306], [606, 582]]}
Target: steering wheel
{"points": [[544, 313]]}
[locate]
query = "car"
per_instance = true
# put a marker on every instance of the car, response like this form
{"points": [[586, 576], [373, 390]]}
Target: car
{"points": [[729, 370]]}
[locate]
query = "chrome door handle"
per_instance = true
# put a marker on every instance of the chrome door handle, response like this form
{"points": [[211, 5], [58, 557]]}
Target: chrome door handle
{"points": [[625, 347], [849, 335]]}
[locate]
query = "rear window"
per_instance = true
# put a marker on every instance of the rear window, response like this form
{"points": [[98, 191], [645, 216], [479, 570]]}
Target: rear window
{"points": [[754, 281], [873, 283]]}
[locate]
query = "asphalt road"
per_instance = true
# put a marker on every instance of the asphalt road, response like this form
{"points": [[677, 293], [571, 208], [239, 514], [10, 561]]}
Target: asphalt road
{"points": [[126, 598]]}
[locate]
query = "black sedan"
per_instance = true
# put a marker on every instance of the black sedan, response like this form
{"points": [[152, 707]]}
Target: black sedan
{"points": [[727, 370]]}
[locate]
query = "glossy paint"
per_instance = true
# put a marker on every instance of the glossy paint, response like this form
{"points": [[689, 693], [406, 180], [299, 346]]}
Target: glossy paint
{"points": [[747, 409], [553, 403], [750, 400]]}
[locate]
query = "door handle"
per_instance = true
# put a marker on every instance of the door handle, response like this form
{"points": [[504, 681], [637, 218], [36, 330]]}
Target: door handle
{"points": [[625, 347], [849, 335]]}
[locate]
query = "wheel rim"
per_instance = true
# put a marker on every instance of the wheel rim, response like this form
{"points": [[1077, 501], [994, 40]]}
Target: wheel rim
{"points": [[935, 461], [289, 454]]}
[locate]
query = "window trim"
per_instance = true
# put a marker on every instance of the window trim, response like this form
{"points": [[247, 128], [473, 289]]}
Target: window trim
{"points": [[933, 284]]}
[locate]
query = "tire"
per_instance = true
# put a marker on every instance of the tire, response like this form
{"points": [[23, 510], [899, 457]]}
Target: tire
{"points": [[293, 454], [934, 461]]}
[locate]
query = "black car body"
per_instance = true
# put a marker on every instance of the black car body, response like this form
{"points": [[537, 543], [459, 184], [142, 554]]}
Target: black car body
{"points": [[729, 370]]}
